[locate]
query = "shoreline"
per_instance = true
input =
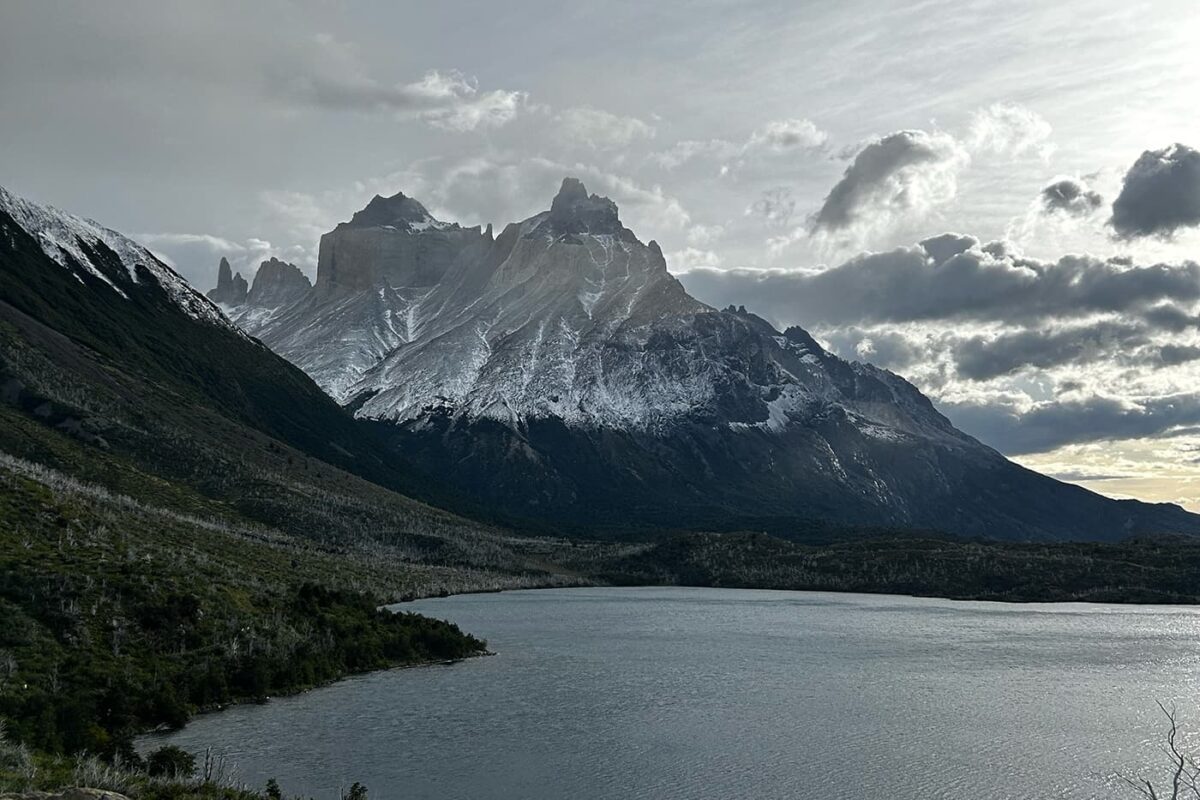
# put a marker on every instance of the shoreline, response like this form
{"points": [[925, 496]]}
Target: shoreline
{"points": [[162, 730], [820, 590]]}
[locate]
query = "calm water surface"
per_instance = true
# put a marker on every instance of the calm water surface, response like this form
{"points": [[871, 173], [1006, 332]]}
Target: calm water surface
{"points": [[665, 693]]}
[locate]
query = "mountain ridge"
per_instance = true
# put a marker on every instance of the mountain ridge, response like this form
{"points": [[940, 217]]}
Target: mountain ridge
{"points": [[103, 344], [558, 371]]}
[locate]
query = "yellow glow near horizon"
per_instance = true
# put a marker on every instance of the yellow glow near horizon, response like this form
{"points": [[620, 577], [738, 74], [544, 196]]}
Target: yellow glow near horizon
{"points": [[1153, 470]]}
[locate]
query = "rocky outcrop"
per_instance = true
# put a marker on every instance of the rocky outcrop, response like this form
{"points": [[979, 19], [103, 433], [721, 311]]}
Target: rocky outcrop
{"points": [[231, 289], [277, 283]]}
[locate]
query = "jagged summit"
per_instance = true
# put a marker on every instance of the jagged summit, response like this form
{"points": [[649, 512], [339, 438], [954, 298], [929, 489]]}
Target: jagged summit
{"points": [[573, 210], [397, 210], [392, 242], [231, 289], [277, 283]]}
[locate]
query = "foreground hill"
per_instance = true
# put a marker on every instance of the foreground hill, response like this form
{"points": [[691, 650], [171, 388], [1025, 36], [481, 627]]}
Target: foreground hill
{"points": [[186, 519], [559, 372]]}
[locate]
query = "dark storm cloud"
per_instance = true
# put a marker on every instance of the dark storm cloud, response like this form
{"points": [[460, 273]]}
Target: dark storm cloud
{"points": [[889, 174], [943, 280], [982, 358], [947, 245], [1071, 197], [1175, 354], [882, 348], [1160, 194], [1046, 426], [1170, 318]]}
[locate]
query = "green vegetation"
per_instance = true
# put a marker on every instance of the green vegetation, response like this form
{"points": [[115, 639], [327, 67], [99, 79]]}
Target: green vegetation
{"points": [[170, 762], [1144, 570], [117, 619], [167, 774]]}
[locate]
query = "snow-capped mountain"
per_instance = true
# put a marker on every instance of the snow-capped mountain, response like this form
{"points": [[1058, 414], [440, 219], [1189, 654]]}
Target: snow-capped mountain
{"points": [[74, 243], [105, 344], [558, 370]]}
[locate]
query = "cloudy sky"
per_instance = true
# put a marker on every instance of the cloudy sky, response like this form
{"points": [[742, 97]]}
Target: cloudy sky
{"points": [[998, 199]]}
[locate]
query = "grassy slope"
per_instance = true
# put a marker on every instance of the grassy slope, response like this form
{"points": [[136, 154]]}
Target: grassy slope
{"points": [[116, 617]]}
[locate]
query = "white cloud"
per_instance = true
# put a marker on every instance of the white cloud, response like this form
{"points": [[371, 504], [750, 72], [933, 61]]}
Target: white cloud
{"points": [[691, 258], [686, 150], [304, 216], [1011, 130], [700, 235], [488, 110], [780, 137], [787, 135], [601, 130], [334, 77], [215, 243]]}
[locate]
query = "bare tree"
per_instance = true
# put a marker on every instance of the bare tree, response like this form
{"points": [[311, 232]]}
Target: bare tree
{"points": [[8, 668], [1185, 771]]}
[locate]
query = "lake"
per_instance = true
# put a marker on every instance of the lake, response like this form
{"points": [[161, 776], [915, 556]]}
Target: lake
{"points": [[665, 693]]}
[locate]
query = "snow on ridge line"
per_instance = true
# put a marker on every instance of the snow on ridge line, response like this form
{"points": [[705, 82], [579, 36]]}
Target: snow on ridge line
{"points": [[59, 233], [427, 223]]}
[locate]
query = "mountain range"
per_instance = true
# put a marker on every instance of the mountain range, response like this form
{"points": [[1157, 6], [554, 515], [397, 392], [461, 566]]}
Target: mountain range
{"points": [[558, 373]]}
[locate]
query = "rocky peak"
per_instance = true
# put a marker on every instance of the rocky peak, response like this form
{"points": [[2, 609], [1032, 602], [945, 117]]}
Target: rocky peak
{"points": [[277, 283], [392, 242], [399, 210], [575, 211], [231, 288]]}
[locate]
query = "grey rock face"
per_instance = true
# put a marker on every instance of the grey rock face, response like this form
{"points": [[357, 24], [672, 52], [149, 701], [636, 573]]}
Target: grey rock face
{"points": [[559, 371], [574, 211], [276, 284], [394, 241], [389, 211], [231, 289]]}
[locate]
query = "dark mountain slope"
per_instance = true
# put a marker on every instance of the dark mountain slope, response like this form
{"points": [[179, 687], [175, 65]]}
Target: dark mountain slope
{"points": [[113, 370], [188, 351]]}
